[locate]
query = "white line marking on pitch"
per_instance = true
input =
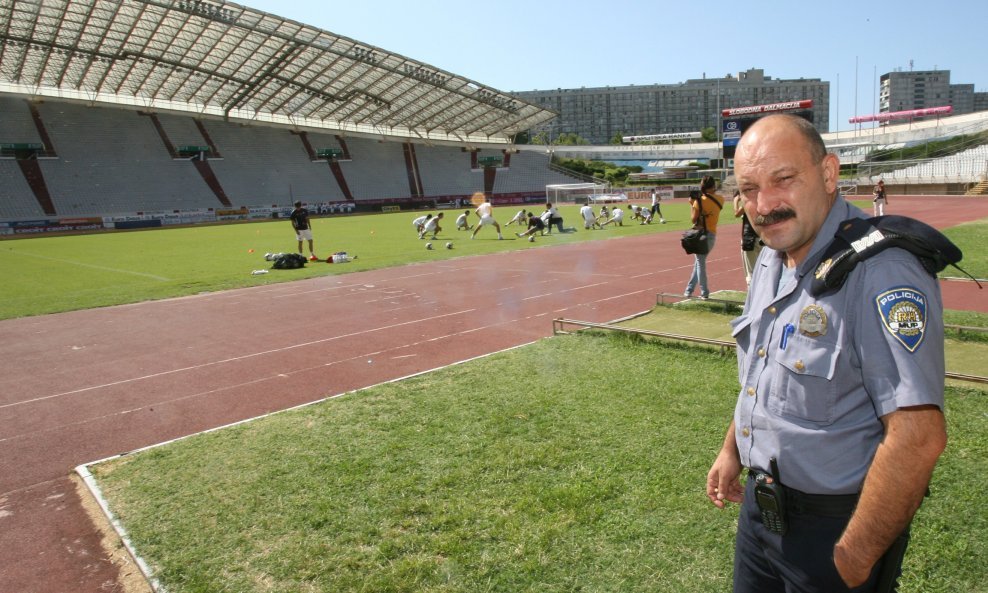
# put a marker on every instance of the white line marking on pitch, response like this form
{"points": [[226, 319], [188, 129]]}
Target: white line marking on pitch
{"points": [[94, 266]]}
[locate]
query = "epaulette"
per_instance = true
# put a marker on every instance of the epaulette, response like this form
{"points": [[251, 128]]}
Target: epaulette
{"points": [[857, 239]]}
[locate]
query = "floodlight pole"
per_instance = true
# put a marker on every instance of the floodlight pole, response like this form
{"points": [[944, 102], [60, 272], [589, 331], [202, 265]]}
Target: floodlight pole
{"points": [[720, 126]]}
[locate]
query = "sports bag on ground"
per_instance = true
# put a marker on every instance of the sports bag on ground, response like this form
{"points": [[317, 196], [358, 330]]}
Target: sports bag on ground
{"points": [[289, 261]]}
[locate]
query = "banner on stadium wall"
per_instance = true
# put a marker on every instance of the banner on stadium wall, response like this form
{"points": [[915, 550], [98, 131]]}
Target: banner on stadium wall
{"points": [[171, 219], [767, 108], [661, 137], [908, 114], [149, 223], [88, 221], [162, 218], [237, 214], [519, 199], [30, 227], [196, 216], [258, 213]]}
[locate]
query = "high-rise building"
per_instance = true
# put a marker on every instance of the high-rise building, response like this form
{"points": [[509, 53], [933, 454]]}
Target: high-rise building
{"points": [[923, 89], [981, 101], [598, 114]]}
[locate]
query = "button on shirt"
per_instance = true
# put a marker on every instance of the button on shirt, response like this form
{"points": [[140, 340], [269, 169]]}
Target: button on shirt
{"points": [[812, 392]]}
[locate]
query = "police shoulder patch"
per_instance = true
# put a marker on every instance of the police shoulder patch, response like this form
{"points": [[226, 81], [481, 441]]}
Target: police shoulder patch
{"points": [[903, 311]]}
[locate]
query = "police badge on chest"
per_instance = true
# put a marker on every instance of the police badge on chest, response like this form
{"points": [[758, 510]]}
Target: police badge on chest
{"points": [[813, 321]]}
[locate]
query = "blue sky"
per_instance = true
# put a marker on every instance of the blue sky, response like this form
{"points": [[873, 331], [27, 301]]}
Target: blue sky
{"points": [[517, 45]]}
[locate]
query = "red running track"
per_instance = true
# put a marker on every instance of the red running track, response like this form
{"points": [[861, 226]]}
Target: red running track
{"points": [[87, 385]]}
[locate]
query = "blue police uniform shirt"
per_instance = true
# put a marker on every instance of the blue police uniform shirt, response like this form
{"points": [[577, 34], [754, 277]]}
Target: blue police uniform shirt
{"points": [[817, 374]]}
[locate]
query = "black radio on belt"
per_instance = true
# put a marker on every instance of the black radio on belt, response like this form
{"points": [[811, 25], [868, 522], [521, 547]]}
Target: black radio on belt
{"points": [[771, 499]]}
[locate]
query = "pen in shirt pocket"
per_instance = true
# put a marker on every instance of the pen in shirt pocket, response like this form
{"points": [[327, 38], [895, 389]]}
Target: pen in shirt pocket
{"points": [[787, 331]]}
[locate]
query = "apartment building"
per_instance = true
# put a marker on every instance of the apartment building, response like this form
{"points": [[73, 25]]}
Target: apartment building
{"points": [[923, 89], [597, 114]]}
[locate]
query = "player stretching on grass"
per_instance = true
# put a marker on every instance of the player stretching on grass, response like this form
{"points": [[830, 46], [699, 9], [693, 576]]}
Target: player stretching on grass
{"points": [[535, 225], [486, 216], [617, 217], [589, 218], [520, 218], [462, 224], [432, 226]]}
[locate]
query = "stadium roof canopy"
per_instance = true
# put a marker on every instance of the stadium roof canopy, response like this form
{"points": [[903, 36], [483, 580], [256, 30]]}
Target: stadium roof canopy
{"points": [[224, 59]]}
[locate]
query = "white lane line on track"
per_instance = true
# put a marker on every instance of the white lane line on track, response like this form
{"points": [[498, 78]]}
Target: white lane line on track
{"points": [[560, 292], [357, 357], [279, 375], [367, 285], [234, 359], [93, 266]]}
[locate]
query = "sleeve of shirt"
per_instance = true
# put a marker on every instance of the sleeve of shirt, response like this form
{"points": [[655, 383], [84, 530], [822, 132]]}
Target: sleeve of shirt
{"points": [[899, 331]]}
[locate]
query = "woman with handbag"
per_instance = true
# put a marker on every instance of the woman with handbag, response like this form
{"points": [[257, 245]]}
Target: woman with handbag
{"points": [[704, 212]]}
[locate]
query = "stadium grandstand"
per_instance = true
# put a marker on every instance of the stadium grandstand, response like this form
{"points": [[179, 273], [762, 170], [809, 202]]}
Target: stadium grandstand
{"points": [[138, 113], [963, 171], [187, 111]]}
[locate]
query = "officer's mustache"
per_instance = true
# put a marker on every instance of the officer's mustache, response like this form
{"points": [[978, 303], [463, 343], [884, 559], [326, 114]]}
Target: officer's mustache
{"points": [[775, 216]]}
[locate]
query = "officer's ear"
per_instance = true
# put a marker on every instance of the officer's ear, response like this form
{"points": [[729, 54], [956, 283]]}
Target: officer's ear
{"points": [[831, 172]]}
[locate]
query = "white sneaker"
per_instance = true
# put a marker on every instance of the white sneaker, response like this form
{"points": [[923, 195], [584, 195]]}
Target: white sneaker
{"points": [[662, 220]]}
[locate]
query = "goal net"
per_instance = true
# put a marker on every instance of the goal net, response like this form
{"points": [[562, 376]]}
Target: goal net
{"points": [[577, 193]]}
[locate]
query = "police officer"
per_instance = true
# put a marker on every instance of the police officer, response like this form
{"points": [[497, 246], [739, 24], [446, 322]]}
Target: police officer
{"points": [[841, 395]]}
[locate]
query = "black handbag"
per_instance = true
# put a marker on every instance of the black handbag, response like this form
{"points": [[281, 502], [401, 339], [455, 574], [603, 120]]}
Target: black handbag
{"points": [[694, 240]]}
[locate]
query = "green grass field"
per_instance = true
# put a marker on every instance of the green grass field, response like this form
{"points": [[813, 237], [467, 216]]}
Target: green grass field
{"points": [[53, 274], [594, 481], [591, 482]]}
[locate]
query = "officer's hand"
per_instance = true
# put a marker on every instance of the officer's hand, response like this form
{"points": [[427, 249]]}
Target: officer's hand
{"points": [[723, 482], [849, 566]]}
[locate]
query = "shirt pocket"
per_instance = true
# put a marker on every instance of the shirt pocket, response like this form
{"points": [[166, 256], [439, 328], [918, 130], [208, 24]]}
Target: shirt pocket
{"points": [[740, 331], [804, 387]]}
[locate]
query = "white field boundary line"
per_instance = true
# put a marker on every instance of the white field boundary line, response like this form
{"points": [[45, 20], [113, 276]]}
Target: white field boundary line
{"points": [[92, 266], [233, 359], [90, 481], [963, 279]]}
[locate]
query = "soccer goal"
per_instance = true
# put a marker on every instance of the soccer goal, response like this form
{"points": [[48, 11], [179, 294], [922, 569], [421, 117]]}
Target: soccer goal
{"points": [[577, 193]]}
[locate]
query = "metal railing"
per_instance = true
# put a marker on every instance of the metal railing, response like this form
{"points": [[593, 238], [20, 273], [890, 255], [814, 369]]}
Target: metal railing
{"points": [[559, 327]]}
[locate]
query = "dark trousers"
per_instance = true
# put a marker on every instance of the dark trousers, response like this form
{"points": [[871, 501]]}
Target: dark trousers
{"points": [[802, 561]]}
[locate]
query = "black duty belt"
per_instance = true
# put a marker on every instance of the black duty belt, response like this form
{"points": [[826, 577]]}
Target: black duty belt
{"points": [[827, 505]]}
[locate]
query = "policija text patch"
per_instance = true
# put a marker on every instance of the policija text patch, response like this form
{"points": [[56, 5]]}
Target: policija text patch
{"points": [[903, 311]]}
